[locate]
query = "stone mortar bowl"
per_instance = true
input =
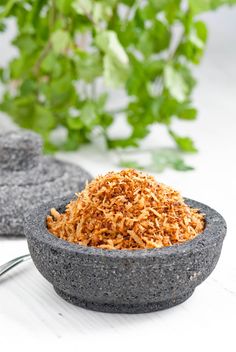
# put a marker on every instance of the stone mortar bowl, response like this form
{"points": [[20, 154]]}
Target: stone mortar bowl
{"points": [[124, 281]]}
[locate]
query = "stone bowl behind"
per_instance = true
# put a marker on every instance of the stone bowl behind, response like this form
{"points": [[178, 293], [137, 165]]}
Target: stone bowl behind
{"points": [[124, 281]]}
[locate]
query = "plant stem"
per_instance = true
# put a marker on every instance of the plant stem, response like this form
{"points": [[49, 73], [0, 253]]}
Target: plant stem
{"points": [[52, 15], [42, 56], [47, 48]]}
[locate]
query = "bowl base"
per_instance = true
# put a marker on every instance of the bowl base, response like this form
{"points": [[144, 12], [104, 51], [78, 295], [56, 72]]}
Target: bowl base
{"points": [[124, 308]]}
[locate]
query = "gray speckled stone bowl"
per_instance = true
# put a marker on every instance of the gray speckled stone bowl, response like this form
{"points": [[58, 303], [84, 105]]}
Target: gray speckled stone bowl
{"points": [[27, 178], [124, 281]]}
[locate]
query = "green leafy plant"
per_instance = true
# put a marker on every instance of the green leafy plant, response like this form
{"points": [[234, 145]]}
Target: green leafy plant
{"points": [[68, 47], [160, 159]]}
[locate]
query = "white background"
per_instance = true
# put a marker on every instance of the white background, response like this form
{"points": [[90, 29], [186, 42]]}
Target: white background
{"points": [[33, 317]]}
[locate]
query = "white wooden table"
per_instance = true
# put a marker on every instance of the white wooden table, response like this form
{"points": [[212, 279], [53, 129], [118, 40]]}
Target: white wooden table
{"points": [[33, 317]]}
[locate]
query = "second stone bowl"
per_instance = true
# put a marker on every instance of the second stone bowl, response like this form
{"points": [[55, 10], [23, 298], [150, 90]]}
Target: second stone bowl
{"points": [[124, 281]]}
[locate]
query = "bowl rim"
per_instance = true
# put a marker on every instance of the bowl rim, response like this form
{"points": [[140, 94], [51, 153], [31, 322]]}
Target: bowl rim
{"points": [[35, 229]]}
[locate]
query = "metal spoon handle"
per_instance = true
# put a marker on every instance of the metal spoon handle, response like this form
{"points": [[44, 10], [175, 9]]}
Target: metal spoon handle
{"points": [[12, 263]]}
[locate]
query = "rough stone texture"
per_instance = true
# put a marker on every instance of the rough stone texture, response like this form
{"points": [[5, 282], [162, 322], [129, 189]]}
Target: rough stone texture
{"points": [[19, 150], [27, 179], [124, 281]]}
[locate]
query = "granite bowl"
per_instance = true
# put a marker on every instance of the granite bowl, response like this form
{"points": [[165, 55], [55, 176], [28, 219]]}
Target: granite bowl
{"points": [[28, 178], [124, 281]]}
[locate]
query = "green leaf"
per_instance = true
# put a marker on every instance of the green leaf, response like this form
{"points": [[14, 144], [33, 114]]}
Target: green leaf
{"points": [[2, 26], [161, 5], [140, 131], [121, 143], [101, 11], [194, 43], [88, 115], [175, 83], [71, 144], [207, 5], [153, 68], [201, 30], [67, 49], [29, 114], [116, 61], [60, 41], [75, 138], [140, 118], [200, 6], [16, 67], [146, 13], [180, 165], [43, 119], [52, 65], [26, 43], [131, 164], [21, 109], [136, 83], [83, 7], [75, 123], [185, 72], [7, 8], [108, 42], [1, 74], [64, 6], [168, 158], [115, 74], [185, 144], [28, 86], [60, 92], [161, 159], [88, 66], [101, 102], [198, 34], [154, 39], [187, 113], [168, 107], [105, 119], [195, 40], [49, 148]]}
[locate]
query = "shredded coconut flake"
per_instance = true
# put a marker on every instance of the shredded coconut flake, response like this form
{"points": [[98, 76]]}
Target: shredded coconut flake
{"points": [[126, 210]]}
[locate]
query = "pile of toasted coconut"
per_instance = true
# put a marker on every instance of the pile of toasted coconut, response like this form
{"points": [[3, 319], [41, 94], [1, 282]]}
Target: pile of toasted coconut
{"points": [[126, 210]]}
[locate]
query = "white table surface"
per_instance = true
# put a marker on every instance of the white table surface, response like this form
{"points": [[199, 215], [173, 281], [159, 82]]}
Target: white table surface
{"points": [[33, 317]]}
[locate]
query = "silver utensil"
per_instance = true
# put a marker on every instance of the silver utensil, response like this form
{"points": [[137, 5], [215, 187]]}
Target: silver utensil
{"points": [[12, 263]]}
